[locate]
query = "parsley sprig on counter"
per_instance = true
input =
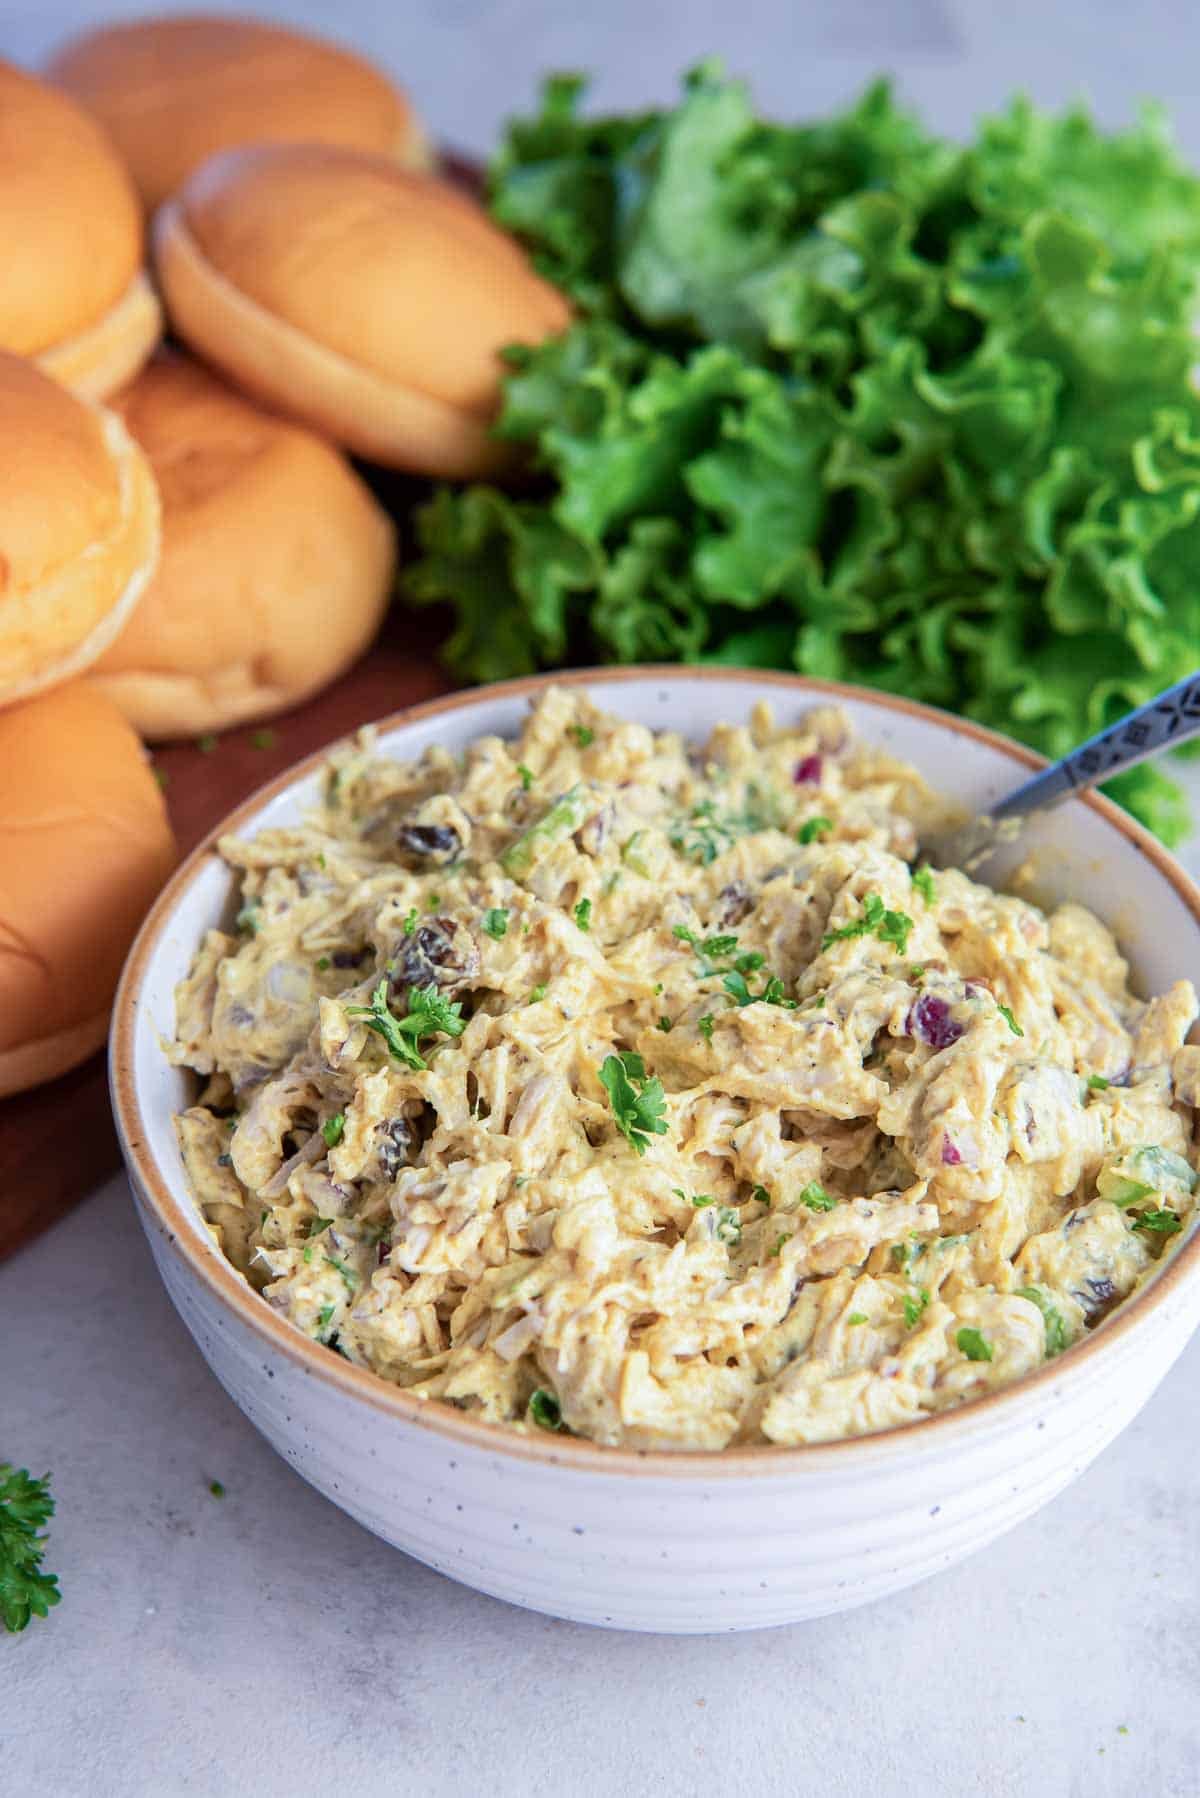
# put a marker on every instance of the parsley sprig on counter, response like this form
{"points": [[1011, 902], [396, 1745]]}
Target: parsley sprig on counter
{"points": [[25, 1509], [429, 1013], [638, 1102]]}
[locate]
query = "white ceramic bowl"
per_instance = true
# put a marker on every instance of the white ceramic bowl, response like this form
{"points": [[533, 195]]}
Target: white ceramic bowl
{"points": [[656, 1541]]}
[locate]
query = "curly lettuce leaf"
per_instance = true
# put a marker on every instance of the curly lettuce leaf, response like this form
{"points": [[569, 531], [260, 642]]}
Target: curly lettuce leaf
{"points": [[847, 398]]}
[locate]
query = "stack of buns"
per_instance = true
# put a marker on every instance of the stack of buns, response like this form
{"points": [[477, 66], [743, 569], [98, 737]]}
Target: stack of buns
{"points": [[184, 543]]}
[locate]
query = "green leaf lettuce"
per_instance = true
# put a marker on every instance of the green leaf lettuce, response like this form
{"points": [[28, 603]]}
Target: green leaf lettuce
{"points": [[848, 398]]}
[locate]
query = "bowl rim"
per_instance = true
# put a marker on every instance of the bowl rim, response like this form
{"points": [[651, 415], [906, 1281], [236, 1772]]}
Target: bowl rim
{"points": [[228, 1287]]}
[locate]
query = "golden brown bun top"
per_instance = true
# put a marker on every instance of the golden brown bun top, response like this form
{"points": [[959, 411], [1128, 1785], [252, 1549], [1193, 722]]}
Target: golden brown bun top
{"points": [[84, 846], [174, 91], [277, 562], [200, 435], [70, 223], [59, 484], [398, 272]]}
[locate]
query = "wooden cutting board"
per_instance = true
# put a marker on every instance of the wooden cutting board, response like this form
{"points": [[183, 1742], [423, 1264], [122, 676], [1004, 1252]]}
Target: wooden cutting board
{"points": [[57, 1143]]}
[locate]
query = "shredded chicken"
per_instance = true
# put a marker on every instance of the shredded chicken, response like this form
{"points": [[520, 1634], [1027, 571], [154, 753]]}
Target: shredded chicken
{"points": [[602, 1082]]}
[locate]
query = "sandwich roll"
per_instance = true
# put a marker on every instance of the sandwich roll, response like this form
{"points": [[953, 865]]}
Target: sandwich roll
{"points": [[84, 847], [172, 92], [73, 293], [277, 564], [79, 530], [370, 302]]}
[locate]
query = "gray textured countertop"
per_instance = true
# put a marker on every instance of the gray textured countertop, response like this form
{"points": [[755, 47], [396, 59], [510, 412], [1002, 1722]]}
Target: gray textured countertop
{"points": [[262, 1643]]}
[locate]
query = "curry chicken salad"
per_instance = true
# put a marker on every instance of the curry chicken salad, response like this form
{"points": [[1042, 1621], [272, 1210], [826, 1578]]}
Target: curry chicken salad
{"points": [[602, 1083]]}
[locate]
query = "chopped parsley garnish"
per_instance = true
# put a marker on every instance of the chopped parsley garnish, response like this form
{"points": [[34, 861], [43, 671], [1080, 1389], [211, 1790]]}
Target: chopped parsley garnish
{"points": [[705, 834], [324, 1316], [709, 945], [762, 1196], [705, 1026], [638, 1102], [582, 735], [1057, 1335], [537, 993], [858, 1317], [410, 921], [428, 1012], [161, 776], [545, 1410], [216, 1488], [816, 1198], [25, 1508], [247, 919], [718, 954], [666, 1026], [915, 1303], [263, 739], [728, 1228], [323, 964], [207, 743], [1007, 1015], [779, 1242], [812, 828], [433, 901], [526, 776], [974, 1345], [333, 1129], [1161, 1223], [889, 926], [773, 991], [698, 1199], [495, 922], [905, 1253], [316, 1224], [583, 914], [922, 880], [1098, 1083]]}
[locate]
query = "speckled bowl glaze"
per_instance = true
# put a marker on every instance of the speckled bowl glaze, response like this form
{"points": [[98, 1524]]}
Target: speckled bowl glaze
{"points": [[657, 1541]]}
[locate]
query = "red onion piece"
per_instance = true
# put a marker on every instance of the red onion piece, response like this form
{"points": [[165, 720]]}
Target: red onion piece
{"points": [[931, 1021]]}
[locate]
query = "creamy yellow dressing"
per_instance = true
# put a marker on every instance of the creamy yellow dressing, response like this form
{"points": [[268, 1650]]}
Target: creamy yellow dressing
{"points": [[891, 1138]]}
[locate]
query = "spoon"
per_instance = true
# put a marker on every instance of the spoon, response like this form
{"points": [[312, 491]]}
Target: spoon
{"points": [[1171, 718]]}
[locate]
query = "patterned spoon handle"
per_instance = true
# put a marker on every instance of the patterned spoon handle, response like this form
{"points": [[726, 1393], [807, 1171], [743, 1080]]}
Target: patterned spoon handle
{"points": [[1159, 724]]}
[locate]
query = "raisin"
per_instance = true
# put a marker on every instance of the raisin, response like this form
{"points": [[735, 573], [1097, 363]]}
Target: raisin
{"points": [[438, 953], [437, 843]]}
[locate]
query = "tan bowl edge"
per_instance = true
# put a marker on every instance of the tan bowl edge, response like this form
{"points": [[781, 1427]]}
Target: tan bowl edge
{"points": [[561, 1451]]}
